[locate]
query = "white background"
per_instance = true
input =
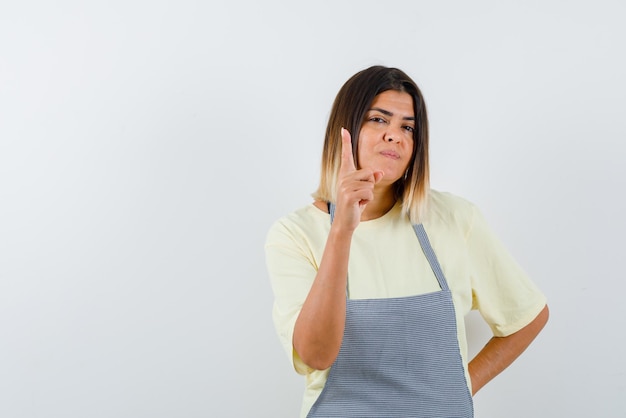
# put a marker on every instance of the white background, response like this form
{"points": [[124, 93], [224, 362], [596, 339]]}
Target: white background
{"points": [[147, 146]]}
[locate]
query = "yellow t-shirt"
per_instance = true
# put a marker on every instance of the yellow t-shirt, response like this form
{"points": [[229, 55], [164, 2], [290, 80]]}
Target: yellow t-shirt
{"points": [[386, 260]]}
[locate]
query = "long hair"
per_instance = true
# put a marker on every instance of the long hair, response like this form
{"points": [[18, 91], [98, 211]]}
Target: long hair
{"points": [[349, 108]]}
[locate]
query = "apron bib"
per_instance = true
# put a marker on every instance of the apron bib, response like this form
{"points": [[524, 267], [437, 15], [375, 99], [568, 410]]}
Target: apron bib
{"points": [[399, 357]]}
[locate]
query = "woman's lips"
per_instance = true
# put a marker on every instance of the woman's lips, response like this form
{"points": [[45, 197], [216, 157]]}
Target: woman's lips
{"points": [[390, 154]]}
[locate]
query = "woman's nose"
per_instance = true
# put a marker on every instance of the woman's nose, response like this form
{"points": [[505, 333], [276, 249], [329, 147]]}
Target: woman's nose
{"points": [[393, 134]]}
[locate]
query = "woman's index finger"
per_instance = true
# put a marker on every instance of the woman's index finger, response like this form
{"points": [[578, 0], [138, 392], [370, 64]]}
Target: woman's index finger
{"points": [[347, 158]]}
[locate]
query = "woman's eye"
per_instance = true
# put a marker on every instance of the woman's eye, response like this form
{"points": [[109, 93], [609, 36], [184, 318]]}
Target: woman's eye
{"points": [[377, 119], [409, 128]]}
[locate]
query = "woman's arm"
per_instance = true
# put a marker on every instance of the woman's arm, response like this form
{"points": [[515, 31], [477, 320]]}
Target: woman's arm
{"points": [[500, 352], [318, 331], [319, 328]]}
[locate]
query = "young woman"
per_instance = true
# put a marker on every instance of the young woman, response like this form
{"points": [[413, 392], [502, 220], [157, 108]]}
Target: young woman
{"points": [[372, 281]]}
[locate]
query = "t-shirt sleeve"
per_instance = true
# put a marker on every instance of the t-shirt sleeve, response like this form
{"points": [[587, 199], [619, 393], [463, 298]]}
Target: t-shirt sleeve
{"points": [[502, 292], [292, 269]]}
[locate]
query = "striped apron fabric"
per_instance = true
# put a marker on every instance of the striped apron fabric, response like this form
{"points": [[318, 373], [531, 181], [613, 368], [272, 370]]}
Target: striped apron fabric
{"points": [[399, 357]]}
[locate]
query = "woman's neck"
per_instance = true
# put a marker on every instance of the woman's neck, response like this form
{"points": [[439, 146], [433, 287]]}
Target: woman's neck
{"points": [[382, 203]]}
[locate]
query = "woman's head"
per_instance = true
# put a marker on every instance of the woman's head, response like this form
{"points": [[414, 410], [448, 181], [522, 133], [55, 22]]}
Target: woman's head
{"points": [[350, 109]]}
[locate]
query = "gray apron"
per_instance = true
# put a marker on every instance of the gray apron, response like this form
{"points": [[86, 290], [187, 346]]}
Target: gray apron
{"points": [[399, 357]]}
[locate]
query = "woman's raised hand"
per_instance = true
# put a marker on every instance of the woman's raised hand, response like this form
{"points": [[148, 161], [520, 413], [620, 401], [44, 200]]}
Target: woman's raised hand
{"points": [[355, 188]]}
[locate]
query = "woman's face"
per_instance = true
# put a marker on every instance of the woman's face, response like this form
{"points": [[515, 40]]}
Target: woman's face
{"points": [[386, 137]]}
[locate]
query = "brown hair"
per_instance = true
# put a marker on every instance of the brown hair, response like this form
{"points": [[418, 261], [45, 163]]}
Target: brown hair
{"points": [[348, 111]]}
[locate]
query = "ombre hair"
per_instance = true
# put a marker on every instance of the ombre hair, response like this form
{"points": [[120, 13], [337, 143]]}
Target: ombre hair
{"points": [[349, 108]]}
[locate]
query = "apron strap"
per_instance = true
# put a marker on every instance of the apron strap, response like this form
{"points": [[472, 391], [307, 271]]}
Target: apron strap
{"points": [[430, 255], [331, 211], [424, 243]]}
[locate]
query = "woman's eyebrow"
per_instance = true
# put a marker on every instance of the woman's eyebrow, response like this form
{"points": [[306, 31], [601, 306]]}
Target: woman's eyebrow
{"points": [[388, 113]]}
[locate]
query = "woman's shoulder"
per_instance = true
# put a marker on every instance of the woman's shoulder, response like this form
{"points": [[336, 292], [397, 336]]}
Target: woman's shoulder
{"points": [[313, 212], [300, 221], [449, 207], [449, 201]]}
